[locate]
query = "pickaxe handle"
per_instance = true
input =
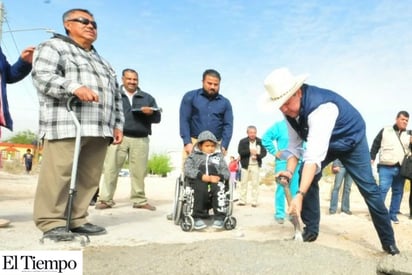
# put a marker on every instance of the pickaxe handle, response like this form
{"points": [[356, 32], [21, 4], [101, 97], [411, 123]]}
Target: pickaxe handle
{"points": [[294, 217]]}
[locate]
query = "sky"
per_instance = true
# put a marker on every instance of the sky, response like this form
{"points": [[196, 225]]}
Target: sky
{"points": [[359, 49]]}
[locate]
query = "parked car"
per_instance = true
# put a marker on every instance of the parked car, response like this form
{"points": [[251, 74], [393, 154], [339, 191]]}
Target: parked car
{"points": [[124, 173]]}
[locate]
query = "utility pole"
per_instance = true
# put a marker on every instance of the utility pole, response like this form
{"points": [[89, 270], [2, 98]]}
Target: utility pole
{"points": [[1, 18]]}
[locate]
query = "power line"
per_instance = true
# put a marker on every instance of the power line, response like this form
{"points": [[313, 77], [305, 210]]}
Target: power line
{"points": [[12, 37], [23, 30], [32, 29]]}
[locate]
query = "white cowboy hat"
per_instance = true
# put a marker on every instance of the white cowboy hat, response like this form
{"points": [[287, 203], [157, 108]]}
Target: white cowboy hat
{"points": [[280, 85]]}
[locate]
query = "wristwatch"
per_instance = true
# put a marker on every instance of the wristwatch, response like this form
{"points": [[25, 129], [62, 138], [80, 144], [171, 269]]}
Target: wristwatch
{"points": [[300, 192]]}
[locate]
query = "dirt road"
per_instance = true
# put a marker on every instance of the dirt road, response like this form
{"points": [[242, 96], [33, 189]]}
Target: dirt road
{"points": [[145, 242]]}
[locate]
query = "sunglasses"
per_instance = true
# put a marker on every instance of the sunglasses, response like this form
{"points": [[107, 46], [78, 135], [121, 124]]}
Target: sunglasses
{"points": [[84, 21]]}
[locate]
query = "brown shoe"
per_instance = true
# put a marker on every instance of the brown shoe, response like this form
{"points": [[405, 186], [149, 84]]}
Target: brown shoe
{"points": [[102, 205], [144, 206], [4, 223]]}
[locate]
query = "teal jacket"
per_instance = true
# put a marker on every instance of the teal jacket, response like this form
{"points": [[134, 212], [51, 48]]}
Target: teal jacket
{"points": [[279, 133]]}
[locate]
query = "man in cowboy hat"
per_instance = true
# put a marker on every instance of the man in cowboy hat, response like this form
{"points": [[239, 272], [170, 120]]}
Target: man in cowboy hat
{"points": [[332, 129]]}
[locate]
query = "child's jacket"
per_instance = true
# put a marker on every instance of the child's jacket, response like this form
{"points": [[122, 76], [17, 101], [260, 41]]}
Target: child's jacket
{"points": [[199, 163]]}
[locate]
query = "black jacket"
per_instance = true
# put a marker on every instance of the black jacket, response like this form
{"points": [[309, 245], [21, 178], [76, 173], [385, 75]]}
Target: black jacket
{"points": [[136, 123], [244, 152]]}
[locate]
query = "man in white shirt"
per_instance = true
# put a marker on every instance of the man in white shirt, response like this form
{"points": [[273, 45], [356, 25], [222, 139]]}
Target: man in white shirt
{"points": [[332, 129]]}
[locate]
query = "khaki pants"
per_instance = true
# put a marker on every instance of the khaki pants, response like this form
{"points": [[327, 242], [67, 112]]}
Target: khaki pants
{"points": [[250, 174], [137, 150], [54, 181]]}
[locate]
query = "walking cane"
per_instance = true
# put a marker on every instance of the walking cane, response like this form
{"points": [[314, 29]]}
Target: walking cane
{"points": [[68, 235]]}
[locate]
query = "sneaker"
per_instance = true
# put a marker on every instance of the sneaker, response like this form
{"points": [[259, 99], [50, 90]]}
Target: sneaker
{"points": [[347, 212], [218, 224], [199, 224], [169, 216], [280, 220], [395, 220]]}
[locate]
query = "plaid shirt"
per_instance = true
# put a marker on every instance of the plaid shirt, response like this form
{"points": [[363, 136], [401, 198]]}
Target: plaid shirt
{"points": [[60, 67]]}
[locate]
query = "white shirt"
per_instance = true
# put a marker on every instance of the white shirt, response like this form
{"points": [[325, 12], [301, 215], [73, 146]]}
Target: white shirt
{"points": [[320, 123], [130, 96]]}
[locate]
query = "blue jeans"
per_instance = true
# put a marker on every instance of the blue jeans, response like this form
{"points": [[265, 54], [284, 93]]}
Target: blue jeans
{"points": [[389, 177], [279, 199], [358, 164], [340, 177]]}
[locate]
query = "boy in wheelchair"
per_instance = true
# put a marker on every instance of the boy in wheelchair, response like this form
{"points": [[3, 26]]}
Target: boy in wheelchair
{"points": [[208, 173]]}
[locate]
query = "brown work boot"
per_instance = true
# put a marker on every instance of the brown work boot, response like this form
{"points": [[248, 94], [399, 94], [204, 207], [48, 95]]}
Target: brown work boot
{"points": [[144, 206], [4, 223], [103, 205]]}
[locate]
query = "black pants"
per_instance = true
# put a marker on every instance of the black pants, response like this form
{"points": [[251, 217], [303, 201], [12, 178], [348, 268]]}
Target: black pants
{"points": [[202, 199], [410, 198], [28, 166]]}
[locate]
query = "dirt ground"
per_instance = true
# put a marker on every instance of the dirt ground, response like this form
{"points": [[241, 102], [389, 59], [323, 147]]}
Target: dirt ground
{"points": [[144, 242]]}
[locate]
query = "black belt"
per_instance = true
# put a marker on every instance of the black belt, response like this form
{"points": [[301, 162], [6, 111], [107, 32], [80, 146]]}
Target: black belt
{"points": [[393, 165]]}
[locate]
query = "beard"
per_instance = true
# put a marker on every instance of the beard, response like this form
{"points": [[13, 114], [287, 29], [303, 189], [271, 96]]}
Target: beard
{"points": [[211, 93]]}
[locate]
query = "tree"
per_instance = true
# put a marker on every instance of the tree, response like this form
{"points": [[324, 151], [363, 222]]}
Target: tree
{"points": [[24, 137]]}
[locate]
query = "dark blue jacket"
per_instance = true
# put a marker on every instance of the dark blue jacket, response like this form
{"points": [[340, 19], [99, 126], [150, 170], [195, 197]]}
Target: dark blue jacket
{"points": [[198, 113], [136, 123], [10, 74], [349, 127]]}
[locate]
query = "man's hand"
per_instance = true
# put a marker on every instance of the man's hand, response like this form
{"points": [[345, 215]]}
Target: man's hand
{"points": [[335, 169], [284, 177], [27, 54], [284, 180], [210, 178], [147, 110], [188, 148], [85, 94], [117, 136]]}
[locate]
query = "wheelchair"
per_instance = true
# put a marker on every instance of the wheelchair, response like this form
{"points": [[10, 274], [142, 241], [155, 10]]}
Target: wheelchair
{"points": [[184, 202]]}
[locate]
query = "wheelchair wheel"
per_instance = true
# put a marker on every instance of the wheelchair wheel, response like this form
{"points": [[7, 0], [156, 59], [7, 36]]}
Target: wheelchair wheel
{"points": [[187, 223], [178, 203], [230, 223], [230, 200]]}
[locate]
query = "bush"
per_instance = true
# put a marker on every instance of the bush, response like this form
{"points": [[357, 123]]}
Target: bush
{"points": [[159, 164], [13, 166]]}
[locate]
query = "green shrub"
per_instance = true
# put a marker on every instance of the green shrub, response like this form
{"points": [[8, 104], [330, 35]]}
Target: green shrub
{"points": [[13, 166], [159, 164]]}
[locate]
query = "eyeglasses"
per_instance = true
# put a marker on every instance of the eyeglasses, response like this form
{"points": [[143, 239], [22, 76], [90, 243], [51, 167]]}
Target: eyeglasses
{"points": [[84, 21]]}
